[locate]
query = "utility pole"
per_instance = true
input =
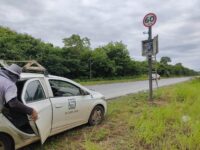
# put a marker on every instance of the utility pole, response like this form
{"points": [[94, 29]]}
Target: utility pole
{"points": [[150, 67]]}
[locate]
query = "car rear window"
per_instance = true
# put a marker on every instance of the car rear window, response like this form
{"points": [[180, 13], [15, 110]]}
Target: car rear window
{"points": [[34, 92]]}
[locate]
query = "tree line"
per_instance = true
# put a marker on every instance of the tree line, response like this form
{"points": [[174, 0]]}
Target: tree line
{"points": [[76, 59]]}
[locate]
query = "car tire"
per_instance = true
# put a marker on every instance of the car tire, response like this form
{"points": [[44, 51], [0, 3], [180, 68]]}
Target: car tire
{"points": [[6, 143], [96, 116]]}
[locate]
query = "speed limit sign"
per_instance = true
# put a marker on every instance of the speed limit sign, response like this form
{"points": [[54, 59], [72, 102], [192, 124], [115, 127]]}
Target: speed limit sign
{"points": [[149, 20]]}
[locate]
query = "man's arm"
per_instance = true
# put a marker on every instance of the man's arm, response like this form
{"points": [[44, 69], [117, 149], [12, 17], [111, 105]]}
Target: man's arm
{"points": [[13, 103], [20, 107]]}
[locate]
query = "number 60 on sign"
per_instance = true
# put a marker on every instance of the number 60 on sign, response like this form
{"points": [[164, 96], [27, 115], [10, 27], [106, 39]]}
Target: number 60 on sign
{"points": [[149, 20]]}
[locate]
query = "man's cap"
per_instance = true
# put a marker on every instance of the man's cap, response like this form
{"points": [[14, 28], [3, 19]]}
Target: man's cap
{"points": [[15, 69]]}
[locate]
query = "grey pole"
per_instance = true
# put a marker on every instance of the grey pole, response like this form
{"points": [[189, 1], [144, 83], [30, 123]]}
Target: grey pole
{"points": [[150, 68]]}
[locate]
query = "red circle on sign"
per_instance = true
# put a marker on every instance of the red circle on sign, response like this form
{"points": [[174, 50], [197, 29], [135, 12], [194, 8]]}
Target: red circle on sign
{"points": [[149, 20]]}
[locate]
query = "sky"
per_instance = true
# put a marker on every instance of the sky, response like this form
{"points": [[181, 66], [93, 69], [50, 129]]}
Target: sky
{"points": [[103, 21]]}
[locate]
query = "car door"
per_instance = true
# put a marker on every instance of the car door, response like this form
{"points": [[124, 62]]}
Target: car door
{"points": [[78, 109], [69, 102], [34, 96]]}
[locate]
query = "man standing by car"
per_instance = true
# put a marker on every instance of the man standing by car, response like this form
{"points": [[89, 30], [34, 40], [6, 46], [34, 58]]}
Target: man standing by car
{"points": [[8, 91]]}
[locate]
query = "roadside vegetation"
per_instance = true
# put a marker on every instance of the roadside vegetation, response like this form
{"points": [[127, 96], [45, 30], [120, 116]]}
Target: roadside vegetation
{"points": [[76, 59], [172, 122], [97, 81]]}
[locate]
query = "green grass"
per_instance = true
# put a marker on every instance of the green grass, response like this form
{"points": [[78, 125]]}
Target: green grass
{"points": [[111, 80], [171, 122]]}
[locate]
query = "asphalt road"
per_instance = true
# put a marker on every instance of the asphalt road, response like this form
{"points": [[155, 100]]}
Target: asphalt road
{"points": [[120, 89]]}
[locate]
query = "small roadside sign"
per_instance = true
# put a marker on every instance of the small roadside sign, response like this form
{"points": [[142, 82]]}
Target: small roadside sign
{"points": [[155, 45], [147, 47], [150, 47], [149, 20]]}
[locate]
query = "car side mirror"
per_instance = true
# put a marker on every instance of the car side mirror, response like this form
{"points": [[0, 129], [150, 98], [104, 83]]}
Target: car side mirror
{"points": [[83, 92]]}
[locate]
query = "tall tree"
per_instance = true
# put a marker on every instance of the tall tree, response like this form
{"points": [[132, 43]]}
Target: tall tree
{"points": [[118, 52], [75, 41], [165, 60], [76, 52], [102, 66]]}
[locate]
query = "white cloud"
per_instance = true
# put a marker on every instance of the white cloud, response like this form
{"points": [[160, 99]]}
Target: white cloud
{"points": [[89, 2]]}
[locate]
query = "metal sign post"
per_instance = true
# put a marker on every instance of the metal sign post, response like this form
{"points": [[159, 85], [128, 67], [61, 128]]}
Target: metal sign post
{"points": [[148, 21], [150, 67]]}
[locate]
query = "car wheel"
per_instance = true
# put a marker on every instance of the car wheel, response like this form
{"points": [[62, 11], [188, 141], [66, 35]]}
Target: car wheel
{"points": [[6, 142], [96, 116]]}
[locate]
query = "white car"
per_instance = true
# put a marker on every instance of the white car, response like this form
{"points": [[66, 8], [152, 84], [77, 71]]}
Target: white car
{"points": [[155, 76], [61, 104]]}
